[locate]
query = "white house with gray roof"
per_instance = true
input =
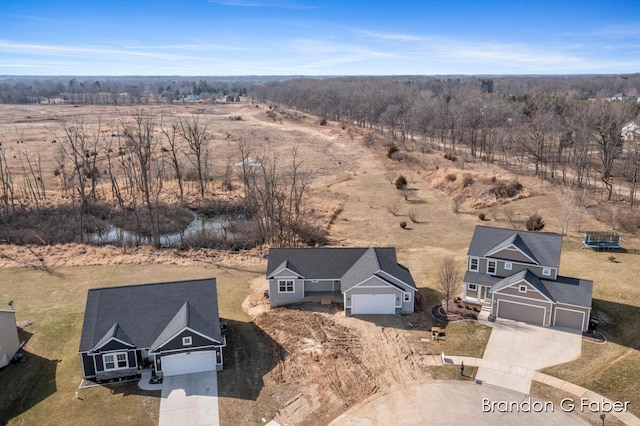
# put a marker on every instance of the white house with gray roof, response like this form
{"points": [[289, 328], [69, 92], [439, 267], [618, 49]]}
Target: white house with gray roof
{"points": [[171, 327], [365, 280], [514, 274]]}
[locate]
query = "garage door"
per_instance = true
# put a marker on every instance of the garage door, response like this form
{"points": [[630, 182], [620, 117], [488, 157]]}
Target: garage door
{"points": [[187, 363], [373, 304], [569, 319], [519, 312]]}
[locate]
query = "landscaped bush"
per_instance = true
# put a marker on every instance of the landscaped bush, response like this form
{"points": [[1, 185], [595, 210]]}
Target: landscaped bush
{"points": [[401, 183], [535, 222]]}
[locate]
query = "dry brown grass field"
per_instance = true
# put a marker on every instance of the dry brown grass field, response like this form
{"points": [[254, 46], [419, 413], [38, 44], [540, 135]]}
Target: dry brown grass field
{"points": [[349, 180]]}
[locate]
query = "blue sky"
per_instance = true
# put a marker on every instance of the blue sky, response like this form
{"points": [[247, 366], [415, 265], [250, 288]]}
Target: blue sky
{"points": [[303, 37]]}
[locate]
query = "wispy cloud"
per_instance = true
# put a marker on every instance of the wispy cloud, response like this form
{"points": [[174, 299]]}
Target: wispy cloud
{"points": [[274, 4], [390, 36]]}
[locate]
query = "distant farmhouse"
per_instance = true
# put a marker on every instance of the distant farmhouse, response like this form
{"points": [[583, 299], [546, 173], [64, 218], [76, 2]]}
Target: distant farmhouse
{"points": [[173, 328], [515, 275], [365, 280]]}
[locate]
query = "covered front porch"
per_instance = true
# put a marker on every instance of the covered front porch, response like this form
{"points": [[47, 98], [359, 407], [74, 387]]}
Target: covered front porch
{"points": [[319, 290], [476, 294], [319, 296]]}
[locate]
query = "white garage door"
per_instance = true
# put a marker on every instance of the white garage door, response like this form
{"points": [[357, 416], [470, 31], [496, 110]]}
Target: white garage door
{"points": [[187, 363], [373, 304]]}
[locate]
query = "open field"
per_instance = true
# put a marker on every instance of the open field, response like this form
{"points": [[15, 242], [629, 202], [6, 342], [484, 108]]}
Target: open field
{"points": [[267, 366]]}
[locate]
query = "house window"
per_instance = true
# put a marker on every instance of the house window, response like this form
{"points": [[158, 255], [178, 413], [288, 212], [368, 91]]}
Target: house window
{"points": [[508, 266], [474, 264], [491, 267], [115, 361], [285, 286], [522, 289], [187, 341], [473, 287], [407, 297], [546, 271]]}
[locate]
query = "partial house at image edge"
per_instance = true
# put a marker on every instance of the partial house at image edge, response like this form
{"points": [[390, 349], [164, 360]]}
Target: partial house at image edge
{"points": [[365, 280], [9, 341], [171, 327], [515, 274]]}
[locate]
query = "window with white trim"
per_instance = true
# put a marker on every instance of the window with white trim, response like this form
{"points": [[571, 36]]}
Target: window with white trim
{"points": [[546, 271], [508, 266], [115, 361], [522, 289], [285, 286], [491, 267], [472, 287], [407, 297], [474, 264], [187, 341]]}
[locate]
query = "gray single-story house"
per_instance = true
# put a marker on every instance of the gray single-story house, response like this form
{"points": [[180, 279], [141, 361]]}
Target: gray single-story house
{"points": [[515, 275], [172, 327], [365, 280], [9, 341]]}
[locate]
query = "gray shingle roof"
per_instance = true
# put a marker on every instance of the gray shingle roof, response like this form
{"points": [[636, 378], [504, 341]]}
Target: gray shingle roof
{"points": [[145, 312], [526, 275], [573, 291], [352, 265], [544, 247], [114, 332]]}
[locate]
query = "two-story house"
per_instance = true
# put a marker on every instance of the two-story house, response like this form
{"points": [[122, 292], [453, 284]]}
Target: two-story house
{"points": [[515, 275]]}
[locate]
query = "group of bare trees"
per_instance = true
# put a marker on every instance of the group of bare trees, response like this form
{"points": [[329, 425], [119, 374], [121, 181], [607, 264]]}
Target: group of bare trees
{"points": [[562, 137], [143, 165]]}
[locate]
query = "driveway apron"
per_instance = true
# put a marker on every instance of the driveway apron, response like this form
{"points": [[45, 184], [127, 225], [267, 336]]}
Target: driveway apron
{"points": [[190, 400]]}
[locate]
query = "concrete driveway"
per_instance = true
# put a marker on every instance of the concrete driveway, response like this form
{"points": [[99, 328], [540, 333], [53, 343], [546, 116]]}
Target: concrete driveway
{"points": [[516, 348], [190, 400], [450, 403]]}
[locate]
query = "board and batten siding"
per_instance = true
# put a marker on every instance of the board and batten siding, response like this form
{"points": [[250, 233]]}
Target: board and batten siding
{"points": [[371, 286], [196, 341], [531, 293]]}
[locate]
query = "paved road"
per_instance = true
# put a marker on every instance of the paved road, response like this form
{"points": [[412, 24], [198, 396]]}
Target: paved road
{"points": [[453, 403], [190, 400]]}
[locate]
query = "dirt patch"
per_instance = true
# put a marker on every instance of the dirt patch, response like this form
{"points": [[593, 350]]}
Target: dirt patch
{"points": [[331, 362]]}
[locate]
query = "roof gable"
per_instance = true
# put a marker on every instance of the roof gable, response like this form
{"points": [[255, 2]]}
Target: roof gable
{"points": [[543, 248], [147, 311], [513, 243], [287, 265], [527, 276], [114, 333]]}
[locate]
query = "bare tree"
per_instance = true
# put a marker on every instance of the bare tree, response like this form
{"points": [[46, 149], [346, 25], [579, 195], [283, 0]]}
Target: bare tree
{"points": [[195, 134], [170, 133], [449, 280], [7, 200]]}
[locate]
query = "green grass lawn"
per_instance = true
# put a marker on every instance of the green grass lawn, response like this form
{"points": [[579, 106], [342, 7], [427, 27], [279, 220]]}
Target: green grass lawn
{"points": [[41, 390]]}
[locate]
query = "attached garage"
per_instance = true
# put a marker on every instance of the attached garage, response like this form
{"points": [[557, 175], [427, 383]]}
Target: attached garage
{"points": [[373, 304], [188, 362], [521, 312], [569, 318]]}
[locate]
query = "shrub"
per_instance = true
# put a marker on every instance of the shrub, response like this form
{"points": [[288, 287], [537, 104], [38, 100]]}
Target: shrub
{"points": [[451, 177], [403, 224], [506, 189], [401, 183], [450, 155], [467, 181], [413, 216], [369, 140], [323, 122], [481, 216], [535, 222], [392, 148]]}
